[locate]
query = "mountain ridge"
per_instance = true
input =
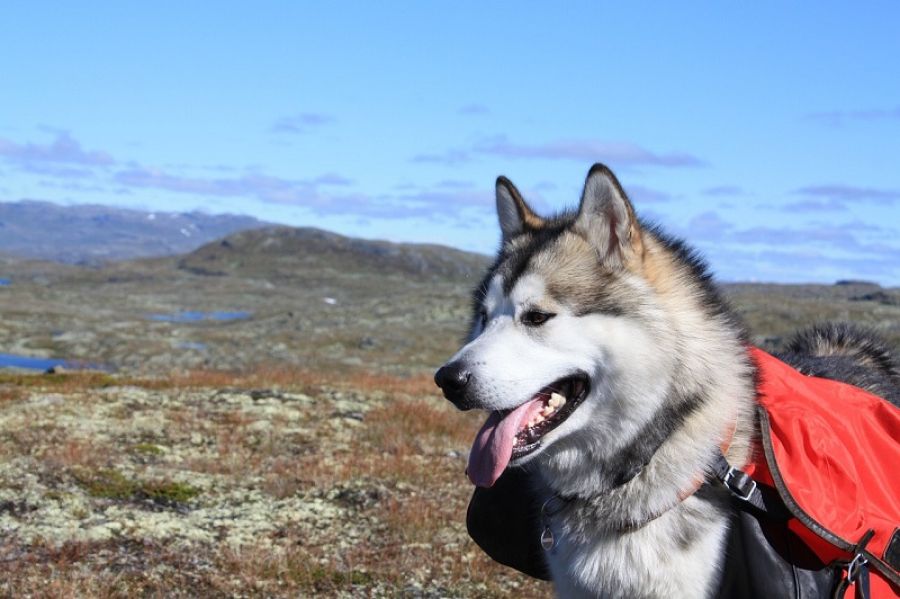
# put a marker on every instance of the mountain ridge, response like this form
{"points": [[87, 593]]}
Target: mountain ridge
{"points": [[95, 233]]}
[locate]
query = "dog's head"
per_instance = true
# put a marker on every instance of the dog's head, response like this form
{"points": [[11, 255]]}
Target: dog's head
{"points": [[567, 336]]}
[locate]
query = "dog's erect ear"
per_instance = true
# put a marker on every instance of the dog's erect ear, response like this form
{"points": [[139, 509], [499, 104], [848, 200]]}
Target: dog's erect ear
{"points": [[606, 217], [514, 214]]}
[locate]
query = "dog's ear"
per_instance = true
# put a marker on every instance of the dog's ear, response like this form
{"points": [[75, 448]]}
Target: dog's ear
{"points": [[515, 215], [606, 217]]}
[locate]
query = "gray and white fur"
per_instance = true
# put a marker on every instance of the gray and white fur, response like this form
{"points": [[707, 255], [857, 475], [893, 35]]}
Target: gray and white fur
{"points": [[670, 379]]}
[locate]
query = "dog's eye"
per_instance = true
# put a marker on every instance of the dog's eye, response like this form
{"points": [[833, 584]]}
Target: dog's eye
{"points": [[535, 318]]}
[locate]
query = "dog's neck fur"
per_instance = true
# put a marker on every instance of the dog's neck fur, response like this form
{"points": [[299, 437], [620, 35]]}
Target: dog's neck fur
{"points": [[598, 553]]}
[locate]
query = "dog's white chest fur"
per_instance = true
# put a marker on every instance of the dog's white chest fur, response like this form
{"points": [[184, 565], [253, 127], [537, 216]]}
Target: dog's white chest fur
{"points": [[661, 559]]}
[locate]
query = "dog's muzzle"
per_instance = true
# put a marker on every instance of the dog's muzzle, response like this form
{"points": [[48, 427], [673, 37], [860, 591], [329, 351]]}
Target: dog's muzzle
{"points": [[453, 379]]}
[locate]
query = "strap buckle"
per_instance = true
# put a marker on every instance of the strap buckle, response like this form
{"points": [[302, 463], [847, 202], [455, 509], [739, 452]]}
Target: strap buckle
{"points": [[736, 481], [855, 567]]}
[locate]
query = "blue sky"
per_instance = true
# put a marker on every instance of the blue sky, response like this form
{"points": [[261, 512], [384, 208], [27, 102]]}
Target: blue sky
{"points": [[768, 134]]}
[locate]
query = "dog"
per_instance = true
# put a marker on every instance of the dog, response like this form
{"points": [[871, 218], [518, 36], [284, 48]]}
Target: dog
{"points": [[612, 371]]}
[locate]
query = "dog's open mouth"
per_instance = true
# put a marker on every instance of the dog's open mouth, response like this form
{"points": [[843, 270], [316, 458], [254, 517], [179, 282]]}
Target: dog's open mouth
{"points": [[512, 434], [558, 401]]}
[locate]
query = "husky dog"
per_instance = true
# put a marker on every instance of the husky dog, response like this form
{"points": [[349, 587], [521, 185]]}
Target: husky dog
{"points": [[613, 372]]}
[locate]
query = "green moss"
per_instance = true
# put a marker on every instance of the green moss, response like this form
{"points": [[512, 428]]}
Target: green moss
{"points": [[148, 449], [170, 491], [111, 484], [108, 484]]}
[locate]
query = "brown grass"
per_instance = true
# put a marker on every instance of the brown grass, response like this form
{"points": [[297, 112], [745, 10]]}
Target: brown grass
{"points": [[416, 425], [71, 452], [398, 472], [291, 378], [63, 383], [10, 393], [263, 376]]}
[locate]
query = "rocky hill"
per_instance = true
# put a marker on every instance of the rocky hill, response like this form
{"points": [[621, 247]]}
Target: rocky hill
{"points": [[293, 252], [86, 234]]}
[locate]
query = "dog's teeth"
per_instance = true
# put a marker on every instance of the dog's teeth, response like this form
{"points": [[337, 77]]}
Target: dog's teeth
{"points": [[547, 411], [556, 400]]}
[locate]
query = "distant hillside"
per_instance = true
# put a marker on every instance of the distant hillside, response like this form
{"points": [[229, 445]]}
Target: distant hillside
{"points": [[317, 301], [92, 233], [293, 251]]}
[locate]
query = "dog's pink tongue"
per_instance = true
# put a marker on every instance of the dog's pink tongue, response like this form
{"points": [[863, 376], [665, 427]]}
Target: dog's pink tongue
{"points": [[493, 445]]}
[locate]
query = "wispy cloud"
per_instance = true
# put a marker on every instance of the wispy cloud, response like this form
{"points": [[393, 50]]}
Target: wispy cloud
{"points": [[63, 150], [448, 158], [622, 154], [818, 252], [586, 150], [474, 110], [58, 170], [841, 237], [723, 191], [849, 193], [302, 123], [332, 179], [262, 187], [709, 225], [455, 184], [837, 118], [442, 202], [816, 205], [797, 265], [449, 200], [646, 195]]}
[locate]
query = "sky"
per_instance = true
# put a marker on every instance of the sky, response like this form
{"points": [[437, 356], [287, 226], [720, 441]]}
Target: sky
{"points": [[766, 134]]}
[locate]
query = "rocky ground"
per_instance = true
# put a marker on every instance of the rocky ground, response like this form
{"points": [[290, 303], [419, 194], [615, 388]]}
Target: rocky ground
{"points": [[300, 450], [272, 484]]}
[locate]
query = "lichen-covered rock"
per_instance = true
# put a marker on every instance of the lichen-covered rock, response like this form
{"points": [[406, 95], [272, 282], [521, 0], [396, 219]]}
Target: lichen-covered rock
{"points": [[232, 492]]}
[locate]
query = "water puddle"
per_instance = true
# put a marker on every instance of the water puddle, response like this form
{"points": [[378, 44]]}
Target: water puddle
{"points": [[193, 345]]}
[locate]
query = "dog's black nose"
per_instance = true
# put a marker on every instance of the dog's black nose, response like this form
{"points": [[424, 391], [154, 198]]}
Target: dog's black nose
{"points": [[452, 378]]}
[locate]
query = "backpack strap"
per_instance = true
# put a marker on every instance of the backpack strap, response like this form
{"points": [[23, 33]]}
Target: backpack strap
{"points": [[857, 571], [744, 488]]}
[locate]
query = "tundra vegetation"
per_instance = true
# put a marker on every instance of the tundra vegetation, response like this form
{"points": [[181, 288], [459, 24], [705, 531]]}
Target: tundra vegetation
{"points": [[299, 451]]}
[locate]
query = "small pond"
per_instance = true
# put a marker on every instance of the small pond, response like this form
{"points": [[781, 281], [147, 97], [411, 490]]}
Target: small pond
{"points": [[194, 345], [31, 363], [42, 364]]}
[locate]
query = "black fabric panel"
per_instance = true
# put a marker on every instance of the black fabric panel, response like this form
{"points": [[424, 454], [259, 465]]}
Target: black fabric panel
{"points": [[764, 559], [892, 551], [504, 521]]}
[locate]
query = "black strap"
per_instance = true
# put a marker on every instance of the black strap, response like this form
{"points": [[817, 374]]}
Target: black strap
{"points": [[858, 576], [857, 570], [862, 582], [747, 490]]}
